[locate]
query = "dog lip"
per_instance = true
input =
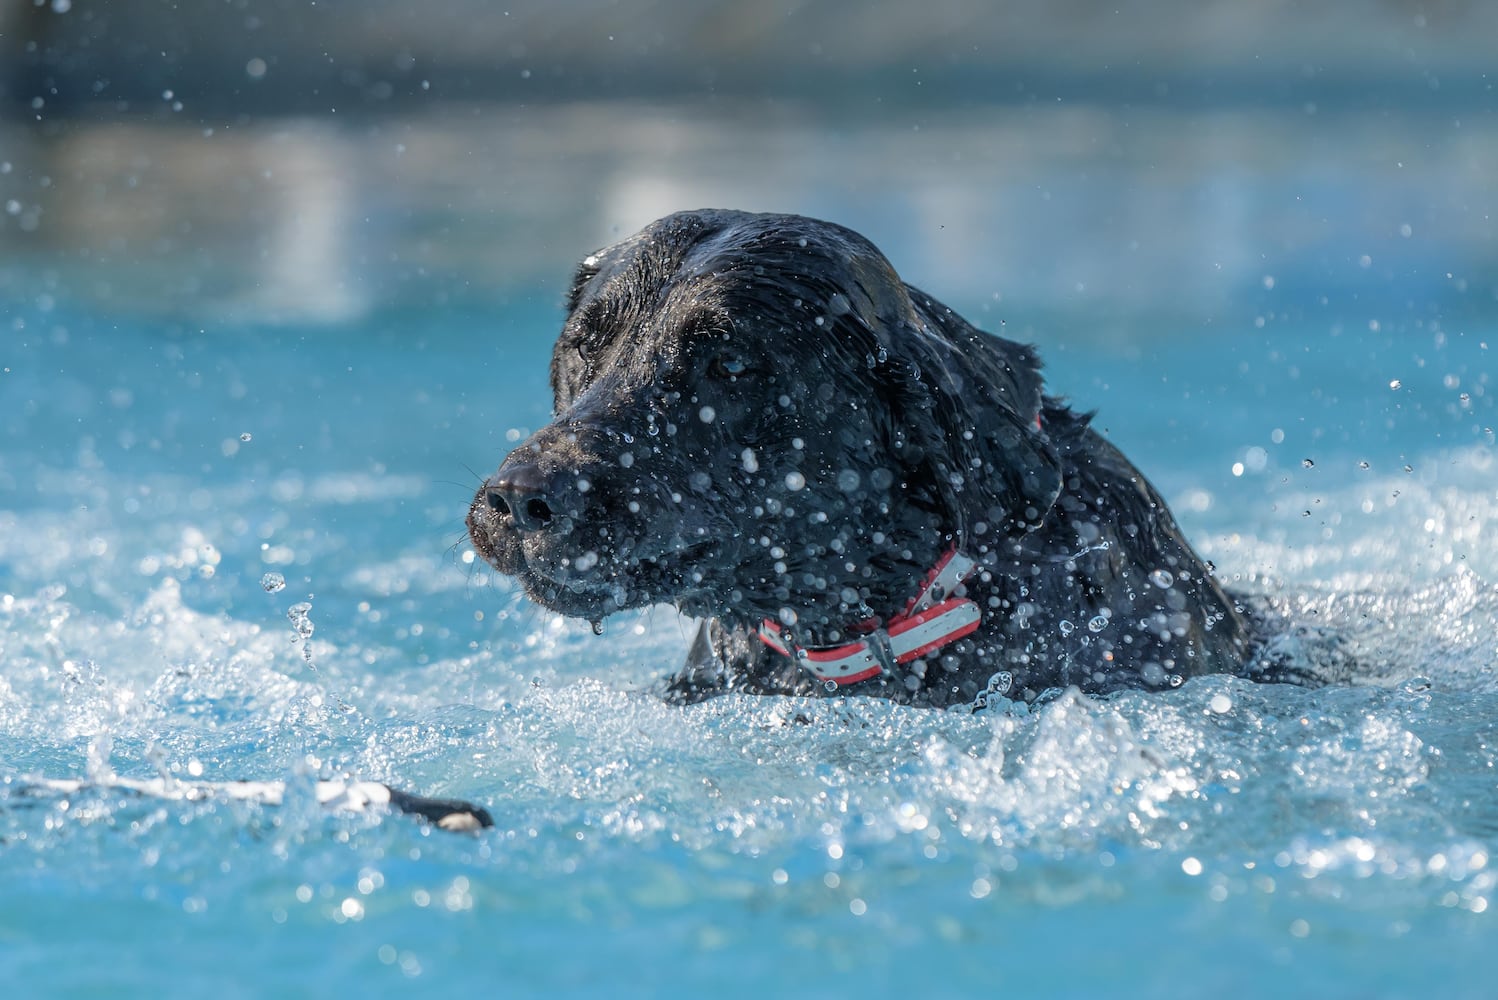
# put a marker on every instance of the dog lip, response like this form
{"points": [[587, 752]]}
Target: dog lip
{"points": [[590, 575]]}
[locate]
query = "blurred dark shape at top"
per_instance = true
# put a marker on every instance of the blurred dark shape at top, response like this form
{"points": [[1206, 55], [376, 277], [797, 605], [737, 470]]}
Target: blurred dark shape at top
{"points": [[340, 56]]}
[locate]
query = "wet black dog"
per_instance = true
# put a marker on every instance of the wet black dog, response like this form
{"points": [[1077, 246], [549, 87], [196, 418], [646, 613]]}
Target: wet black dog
{"points": [[759, 422]]}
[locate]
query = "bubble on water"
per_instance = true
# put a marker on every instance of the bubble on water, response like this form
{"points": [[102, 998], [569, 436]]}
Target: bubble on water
{"points": [[1221, 704], [1306, 463], [597, 627], [1161, 578], [246, 437], [272, 583], [1395, 383]]}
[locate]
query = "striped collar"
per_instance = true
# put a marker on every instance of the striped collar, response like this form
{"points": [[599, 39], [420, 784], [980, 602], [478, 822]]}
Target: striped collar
{"points": [[931, 620]]}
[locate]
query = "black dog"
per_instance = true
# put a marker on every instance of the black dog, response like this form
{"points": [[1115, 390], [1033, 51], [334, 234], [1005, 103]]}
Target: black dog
{"points": [[759, 422]]}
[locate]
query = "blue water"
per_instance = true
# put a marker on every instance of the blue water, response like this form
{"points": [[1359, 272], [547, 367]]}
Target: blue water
{"points": [[1223, 838]]}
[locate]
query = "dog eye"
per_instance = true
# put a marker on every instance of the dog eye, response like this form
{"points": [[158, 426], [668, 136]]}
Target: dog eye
{"points": [[729, 366]]}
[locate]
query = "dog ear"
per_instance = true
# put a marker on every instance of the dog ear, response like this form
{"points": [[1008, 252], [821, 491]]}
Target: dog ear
{"points": [[968, 418]]}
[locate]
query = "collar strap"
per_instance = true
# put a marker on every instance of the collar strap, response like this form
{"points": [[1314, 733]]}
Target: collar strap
{"points": [[930, 621]]}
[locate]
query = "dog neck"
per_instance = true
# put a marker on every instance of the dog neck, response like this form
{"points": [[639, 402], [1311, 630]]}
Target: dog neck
{"points": [[936, 616]]}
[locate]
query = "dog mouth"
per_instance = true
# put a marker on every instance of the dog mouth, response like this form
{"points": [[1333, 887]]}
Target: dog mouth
{"points": [[593, 586], [620, 569]]}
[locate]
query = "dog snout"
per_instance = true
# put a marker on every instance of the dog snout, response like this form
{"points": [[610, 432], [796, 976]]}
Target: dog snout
{"points": [[536, 498], [524, 492]]}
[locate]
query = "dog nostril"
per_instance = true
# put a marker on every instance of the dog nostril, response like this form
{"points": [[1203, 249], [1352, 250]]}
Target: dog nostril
{"points": [[496, 502], [537, 510]]}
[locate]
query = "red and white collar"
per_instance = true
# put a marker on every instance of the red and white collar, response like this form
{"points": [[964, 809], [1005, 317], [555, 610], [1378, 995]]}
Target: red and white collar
{"points": [[930, 621]]}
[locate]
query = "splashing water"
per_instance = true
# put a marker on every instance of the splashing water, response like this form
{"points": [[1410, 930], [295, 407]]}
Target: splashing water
{"points": [[300, 616], [1264, 830]]}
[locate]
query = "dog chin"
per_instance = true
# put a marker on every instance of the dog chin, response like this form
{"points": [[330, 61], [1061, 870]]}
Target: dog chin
{"points": [[592, 600]]}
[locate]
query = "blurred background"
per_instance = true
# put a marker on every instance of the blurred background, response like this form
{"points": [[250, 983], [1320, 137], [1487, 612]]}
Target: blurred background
{"points": [[1104, 170]]}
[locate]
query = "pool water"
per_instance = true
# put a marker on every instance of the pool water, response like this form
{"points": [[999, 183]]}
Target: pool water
{"points": [[1324, 438]]}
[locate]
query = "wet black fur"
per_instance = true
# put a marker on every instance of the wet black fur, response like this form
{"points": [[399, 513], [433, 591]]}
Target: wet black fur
{"points": [[756, 418]]}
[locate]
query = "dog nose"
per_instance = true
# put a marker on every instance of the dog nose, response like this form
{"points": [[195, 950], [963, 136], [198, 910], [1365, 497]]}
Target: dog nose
{"points": [[523, 491]]}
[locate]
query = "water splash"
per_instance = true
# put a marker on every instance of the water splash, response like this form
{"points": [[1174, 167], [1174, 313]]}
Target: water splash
{"points": [[300, 616]]}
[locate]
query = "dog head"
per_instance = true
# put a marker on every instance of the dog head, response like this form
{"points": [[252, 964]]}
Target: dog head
{"points": [[755, 417]]}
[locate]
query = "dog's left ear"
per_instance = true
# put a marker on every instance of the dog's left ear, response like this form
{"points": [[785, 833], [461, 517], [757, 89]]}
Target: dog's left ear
{"points": [[971, 407]]}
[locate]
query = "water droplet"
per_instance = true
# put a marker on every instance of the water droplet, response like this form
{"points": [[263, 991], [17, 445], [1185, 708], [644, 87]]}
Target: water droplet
{"points": [[1394, 383], [794, 480], [246, 437], [300, 615], [1306, 463], [597, 628], [1363, 465], [830, 687], [1066, 627], [1161, 578], [272, 583], [1097, 624]]}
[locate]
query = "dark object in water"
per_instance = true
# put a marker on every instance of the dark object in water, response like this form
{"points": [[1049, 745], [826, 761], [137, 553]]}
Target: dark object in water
{"points": [[759, 422]]}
